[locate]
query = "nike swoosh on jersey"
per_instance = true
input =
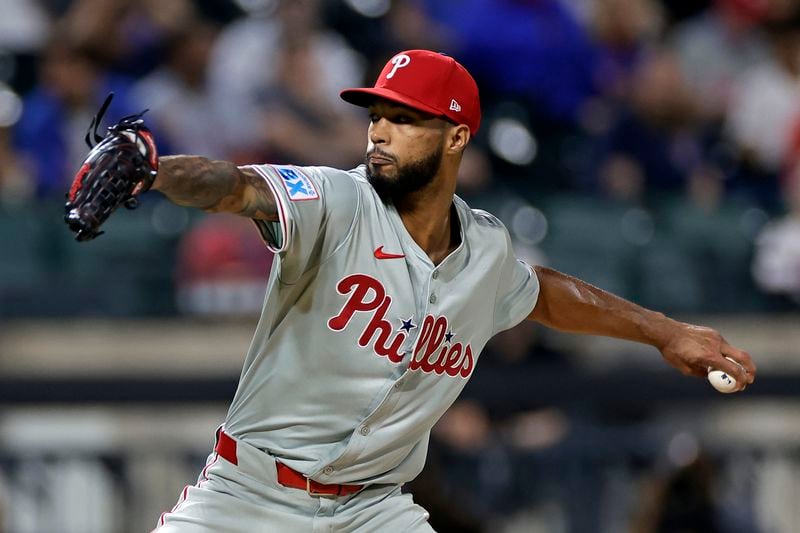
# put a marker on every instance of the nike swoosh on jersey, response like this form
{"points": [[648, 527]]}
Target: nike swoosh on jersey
{"points": [[380, 254]]}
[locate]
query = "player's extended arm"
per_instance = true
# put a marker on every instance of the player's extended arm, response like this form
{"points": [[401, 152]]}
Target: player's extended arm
{"points": [[569, 304], [215, 186]]}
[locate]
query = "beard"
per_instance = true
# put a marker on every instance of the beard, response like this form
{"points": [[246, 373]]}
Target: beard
{"points": [[410, 177]]}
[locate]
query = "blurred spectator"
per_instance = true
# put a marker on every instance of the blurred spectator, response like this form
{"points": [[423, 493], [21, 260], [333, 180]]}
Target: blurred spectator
{"points": [[15, 185], [709, 246], [465, 427], [705, 189], [624, 31], [4, 500], [23, 26], [477, 185], [125, 36], [474, 178], [299, 124], [524, 346], [474, 437], [223, 268], [507, 359], [778, 10], [540, 53], [278, 78], [56, 114], [410, 26], [764, 111], [776, 265], [766, 102], [682, 502], [716, 46], [15, 182], [452, 503], [182, 113], [659, 141]]}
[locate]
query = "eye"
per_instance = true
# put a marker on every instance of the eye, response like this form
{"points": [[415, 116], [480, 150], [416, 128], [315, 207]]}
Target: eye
{"points": [[373, 117], [404, 119]]}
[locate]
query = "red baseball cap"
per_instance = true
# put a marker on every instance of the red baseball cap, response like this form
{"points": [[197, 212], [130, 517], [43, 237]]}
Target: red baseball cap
{"points": [[427, 81]]}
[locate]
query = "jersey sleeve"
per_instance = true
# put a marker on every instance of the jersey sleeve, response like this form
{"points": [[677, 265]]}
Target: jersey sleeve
{"points": [[316, 210], [517, 291]]}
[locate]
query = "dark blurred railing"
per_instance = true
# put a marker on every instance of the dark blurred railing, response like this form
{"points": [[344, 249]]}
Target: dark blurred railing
{"points": [[506, 390]]}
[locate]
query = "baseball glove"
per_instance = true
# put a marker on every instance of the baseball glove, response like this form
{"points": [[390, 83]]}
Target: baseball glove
{"points": [[119, 167]]}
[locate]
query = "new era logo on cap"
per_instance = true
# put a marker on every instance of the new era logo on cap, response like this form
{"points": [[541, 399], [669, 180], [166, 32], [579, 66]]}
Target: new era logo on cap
{"points": [[427, 81]]}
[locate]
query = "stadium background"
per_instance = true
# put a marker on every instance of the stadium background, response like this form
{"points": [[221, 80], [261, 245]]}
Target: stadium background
{"points": [[650, 148]]}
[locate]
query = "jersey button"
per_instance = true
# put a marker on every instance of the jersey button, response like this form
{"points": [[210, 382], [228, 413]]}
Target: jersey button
{"points": [[328, 470], [364, 430], [432, 299], [435, 274]]}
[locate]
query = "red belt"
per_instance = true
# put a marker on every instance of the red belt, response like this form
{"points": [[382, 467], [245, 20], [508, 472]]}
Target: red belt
{"points": [[288, 477]]}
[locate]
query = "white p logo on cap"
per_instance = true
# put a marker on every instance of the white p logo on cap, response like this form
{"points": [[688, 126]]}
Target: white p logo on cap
{"points": [[398, 61]]}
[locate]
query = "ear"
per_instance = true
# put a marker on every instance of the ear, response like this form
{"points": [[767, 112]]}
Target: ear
{"points": [[457, 139]]}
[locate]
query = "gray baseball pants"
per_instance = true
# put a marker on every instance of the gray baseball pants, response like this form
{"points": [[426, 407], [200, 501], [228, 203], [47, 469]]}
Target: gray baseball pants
{"points": [[247, 498]]}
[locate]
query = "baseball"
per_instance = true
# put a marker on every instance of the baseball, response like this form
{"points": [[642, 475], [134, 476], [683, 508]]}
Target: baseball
{"points": [[721, 380]]}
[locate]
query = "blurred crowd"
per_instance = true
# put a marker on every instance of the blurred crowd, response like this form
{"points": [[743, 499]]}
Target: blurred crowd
{"points": [[615, 132], [628, 102]]}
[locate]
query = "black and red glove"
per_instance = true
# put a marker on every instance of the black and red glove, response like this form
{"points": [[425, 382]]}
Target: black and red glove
{"points": [[119, 167]]}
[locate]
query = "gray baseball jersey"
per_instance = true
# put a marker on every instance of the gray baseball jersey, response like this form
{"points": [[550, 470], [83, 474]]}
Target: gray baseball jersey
{"points": [[363, 342]]}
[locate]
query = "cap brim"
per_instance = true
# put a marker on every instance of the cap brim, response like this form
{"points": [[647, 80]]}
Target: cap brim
{"points": [[365, 97]]}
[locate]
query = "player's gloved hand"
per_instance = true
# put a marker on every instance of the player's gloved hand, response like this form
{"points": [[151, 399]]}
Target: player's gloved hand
{"points": [[119, 167], [695, 349]]}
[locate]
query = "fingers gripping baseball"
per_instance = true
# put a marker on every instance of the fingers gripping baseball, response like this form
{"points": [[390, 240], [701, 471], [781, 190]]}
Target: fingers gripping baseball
{"points": [[695, 350]]}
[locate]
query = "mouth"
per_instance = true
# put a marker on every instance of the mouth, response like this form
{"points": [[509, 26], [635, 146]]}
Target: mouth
{"points": [[379, 159]]}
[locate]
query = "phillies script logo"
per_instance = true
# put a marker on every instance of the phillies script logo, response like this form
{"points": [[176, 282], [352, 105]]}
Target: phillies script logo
{"points": [[434, 350]]}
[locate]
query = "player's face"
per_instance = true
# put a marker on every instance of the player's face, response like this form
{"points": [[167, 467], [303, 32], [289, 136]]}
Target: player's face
{"points": [[404, 150]]}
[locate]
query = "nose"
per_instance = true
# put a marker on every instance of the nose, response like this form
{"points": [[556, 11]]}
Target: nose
{"points": [[377, 132]]}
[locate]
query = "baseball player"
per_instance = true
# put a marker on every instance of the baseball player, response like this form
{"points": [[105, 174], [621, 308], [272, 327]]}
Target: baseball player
{"points": [[385, 289]]}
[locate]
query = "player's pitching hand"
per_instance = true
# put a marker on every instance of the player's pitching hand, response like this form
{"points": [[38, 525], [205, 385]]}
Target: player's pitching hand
{"points": [[694, 349]]}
